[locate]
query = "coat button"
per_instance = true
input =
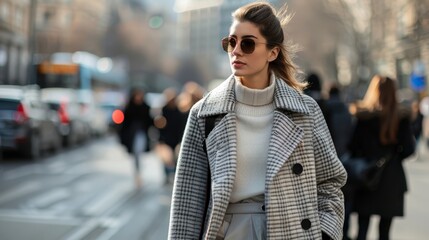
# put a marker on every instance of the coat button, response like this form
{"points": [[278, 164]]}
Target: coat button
{"points": [[297, 168], [263, 208], [306, 224]]}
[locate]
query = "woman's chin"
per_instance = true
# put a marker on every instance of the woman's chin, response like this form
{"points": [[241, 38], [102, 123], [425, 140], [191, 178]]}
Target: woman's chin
{"points": [[238, 73]]}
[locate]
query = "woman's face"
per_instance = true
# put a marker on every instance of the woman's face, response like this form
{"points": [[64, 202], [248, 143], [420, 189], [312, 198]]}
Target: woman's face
{"points": [[138, 98], [251, 68]]}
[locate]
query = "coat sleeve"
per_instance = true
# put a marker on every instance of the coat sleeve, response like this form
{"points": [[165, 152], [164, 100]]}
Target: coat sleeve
{"points": [[330, 177], [406, 139], [190, 185]]}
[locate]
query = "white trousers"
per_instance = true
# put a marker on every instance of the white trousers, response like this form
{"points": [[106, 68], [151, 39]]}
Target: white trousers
{"points": [[244, 221]]}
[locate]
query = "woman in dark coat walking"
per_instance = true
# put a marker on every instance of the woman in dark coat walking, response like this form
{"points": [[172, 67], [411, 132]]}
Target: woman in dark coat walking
{"points": [[171, 130], [382, 129], [133, 134]]}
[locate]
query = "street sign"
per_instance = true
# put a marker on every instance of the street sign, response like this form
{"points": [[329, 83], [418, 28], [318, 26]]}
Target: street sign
{"points": [[418, 82], [418, 76]]}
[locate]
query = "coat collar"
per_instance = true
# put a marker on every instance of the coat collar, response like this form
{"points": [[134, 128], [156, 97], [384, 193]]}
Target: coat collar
{"points": [[221, 100]]}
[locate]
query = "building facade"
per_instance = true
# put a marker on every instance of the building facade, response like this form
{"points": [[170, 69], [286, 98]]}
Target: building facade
{"points": [[399, 39], [32, 30], [70, 26], [14, 41]]}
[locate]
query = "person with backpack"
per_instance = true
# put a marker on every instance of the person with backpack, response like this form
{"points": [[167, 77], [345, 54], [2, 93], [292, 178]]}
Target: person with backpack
{"points": [[267, 169]]}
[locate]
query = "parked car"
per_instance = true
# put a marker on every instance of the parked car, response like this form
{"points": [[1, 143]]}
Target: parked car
{"points": [[100, 126], [27, 125], [92, 114], [74, 128]]}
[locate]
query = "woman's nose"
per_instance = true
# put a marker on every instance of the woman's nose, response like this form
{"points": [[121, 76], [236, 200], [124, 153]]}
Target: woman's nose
{"points": [[237, 50]]}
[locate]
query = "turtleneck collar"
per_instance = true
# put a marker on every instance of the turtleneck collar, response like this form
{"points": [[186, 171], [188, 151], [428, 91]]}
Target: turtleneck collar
{"points": [[255, 97]]}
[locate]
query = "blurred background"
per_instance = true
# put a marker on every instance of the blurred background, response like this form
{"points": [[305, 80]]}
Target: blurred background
{"points": [[67, 67], [167, 43]]}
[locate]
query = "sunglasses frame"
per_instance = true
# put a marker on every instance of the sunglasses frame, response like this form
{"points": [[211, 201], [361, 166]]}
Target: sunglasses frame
{"points": [[228, 47]]}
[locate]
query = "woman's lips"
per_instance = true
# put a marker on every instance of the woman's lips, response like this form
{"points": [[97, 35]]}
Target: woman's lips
{"points": [[238, 64]]}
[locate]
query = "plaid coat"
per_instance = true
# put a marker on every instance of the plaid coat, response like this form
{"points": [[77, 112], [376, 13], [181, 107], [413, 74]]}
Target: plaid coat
{"points": [[303, 178]]}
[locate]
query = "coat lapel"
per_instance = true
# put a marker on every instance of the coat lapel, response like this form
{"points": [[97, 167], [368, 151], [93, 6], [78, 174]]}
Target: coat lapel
{"points": [[222, 149], [220, 100], [286, 134], [285, 137], [222, 146]]}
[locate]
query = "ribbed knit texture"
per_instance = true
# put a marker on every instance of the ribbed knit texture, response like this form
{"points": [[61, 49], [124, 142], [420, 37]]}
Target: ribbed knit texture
{"points": [[255, 111]]}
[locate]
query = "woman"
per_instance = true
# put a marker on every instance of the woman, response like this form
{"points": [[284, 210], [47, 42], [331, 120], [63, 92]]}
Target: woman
{"points": [[383, 129], [133, 134], [171, 126], [268, 168]]}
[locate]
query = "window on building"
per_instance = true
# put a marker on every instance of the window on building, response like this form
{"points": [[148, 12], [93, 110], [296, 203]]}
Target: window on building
{"points": [[19, 18], [47, 16], [66, 19], [3, 61], [406, 20], [4, 11]]}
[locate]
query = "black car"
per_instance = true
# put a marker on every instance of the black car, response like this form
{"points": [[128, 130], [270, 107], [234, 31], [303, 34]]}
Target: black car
{"points": [[27, 125]]}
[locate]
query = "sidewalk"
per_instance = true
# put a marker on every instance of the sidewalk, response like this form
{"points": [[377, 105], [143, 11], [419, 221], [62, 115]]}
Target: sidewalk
{"points": [[148, 210]]}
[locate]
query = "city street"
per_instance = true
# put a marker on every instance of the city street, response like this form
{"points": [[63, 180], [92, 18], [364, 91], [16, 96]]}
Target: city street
{"points": [[88, 193], [83, 193]]}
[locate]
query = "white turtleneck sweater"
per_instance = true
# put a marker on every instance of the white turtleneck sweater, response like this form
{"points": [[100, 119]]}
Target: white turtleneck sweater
{"points": [[255, 111]]}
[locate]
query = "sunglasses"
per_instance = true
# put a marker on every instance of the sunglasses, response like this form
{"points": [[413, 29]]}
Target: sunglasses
{"points": [[247, 45]]}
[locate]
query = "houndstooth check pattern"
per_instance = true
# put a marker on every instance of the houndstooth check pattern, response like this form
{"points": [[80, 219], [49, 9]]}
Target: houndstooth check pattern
{"points": [[299, 136]]}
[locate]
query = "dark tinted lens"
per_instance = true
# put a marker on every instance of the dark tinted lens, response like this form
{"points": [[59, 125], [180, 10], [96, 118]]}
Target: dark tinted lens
{"points": [[228, 44], [225, 43], [247, 45], [232, 44]]}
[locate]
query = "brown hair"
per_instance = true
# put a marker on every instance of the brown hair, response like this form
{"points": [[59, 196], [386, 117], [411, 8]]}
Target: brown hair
{"points": [[381, 96], [263, 15]]}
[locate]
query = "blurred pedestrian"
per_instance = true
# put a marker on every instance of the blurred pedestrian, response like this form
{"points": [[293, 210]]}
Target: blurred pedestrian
{"points": [[340, 125], [191, 94], [171, 126], [195, 90], [383, 130], [417, 119], [266, 168], [134, 130], [314, 90], [338, 119], [314, 86]]}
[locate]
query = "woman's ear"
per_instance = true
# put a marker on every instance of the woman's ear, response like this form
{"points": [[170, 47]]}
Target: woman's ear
{"points": [[273, 54]]}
